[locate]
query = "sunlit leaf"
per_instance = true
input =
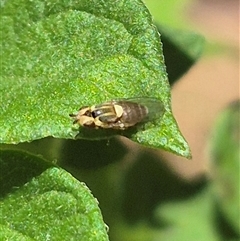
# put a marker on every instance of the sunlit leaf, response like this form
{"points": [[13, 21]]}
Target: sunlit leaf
{"points": [[59, 56]]}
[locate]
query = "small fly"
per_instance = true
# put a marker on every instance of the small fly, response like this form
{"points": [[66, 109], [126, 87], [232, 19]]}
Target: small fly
{"points": [[119, 114]]}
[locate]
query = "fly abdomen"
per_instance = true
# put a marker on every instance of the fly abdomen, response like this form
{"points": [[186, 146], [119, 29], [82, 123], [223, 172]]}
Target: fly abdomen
{"points": [[133, 113]]}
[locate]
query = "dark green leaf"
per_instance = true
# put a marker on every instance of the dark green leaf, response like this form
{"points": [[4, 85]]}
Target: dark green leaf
{"points": [[178, 221], [225, 153], [46, 204], [181, 50], [189, 220], [59, 56]]}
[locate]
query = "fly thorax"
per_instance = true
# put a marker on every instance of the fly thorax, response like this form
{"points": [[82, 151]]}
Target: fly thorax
{"points": [[118, 110]]}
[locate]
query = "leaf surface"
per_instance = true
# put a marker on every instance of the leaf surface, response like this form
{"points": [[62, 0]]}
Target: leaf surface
{"points": [[59, 56], [42, 202]]}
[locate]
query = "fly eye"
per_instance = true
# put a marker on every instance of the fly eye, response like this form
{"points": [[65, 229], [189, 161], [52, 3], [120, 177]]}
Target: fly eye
{"points": [[96, 113]]}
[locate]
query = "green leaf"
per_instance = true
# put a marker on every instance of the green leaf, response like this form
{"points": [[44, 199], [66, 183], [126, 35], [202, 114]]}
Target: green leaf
{"points": [[225, 153], [59, 56], [190, 219], [181, 50], [171, 12], [9, 234], [43, 202]]}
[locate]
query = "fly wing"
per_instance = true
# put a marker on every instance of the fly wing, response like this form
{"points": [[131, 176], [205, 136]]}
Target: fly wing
{"points": [[155, 106]]}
